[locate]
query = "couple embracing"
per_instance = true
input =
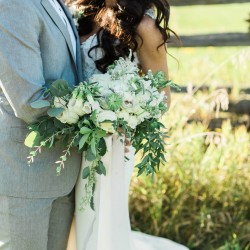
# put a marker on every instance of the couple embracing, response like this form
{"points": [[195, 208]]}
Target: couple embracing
{"points": [[39, 43]]}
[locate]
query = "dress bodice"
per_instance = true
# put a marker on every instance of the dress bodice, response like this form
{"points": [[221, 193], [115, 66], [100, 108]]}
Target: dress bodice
{"points": [[89, 58]]}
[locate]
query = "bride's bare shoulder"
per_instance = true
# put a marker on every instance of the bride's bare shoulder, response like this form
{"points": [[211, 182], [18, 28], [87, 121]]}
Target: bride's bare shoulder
{"points": [[149, 32]]}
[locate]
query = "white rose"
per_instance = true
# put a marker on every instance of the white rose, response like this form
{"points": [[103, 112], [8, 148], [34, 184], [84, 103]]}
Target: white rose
{"points": [[87, 108], [106, 115], [59, 102], [76, 105], [95, 105], [107, 126], [69, 117]]}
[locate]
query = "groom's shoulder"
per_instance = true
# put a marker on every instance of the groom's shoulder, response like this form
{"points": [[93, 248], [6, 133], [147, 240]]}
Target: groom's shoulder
{"points": [[23, 10], [21, 5]]}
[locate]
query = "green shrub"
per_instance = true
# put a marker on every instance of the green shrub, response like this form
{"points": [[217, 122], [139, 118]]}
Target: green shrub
{"points": [[201, 196]]}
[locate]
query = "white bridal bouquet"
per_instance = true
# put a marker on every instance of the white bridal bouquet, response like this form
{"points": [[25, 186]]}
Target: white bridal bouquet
{"points": [[120, 100]]}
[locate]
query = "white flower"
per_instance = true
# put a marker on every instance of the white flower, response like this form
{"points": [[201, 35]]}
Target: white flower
{"points": [[106, 115], [69, 117], [133, 121], [143, 97], [138, 110], [95, 105], [145, 115], [123, 114], [87, 108], [76, 105], [59, 102], [128, 99], [146, 84], [154, 103], [102, 79], [107, 126]]}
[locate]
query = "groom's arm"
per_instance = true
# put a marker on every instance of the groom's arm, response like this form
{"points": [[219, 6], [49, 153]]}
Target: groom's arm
{"points": [[21, 67]]}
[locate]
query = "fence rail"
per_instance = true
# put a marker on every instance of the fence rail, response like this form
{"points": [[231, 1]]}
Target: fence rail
{"points": [[224, 39]]}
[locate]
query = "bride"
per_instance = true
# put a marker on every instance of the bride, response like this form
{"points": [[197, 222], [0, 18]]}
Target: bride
{"points": [[108, 30]]}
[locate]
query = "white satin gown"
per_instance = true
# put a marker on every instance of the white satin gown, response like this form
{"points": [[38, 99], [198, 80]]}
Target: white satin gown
{"points": [[108, 227]]}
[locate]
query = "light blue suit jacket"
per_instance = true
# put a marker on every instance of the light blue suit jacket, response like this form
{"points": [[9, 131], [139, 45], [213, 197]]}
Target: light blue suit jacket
{"points": [[35, 48]]}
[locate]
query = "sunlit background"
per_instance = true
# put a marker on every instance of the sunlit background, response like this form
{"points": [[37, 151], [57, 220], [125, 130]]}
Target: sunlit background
{"points": [[201, 197]]}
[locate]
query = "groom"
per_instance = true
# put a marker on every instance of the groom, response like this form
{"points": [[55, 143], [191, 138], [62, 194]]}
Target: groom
{"points": [[38, 43]]}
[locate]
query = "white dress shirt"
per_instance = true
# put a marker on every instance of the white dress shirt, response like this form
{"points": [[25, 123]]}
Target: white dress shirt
{"points": [[65, 20]]}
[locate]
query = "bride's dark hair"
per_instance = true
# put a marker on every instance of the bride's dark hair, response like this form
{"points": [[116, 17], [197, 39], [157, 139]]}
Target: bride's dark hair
{"points": [[119, 25]]}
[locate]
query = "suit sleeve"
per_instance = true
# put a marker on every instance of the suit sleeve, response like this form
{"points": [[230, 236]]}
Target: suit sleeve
{"points": [[21, 67]]}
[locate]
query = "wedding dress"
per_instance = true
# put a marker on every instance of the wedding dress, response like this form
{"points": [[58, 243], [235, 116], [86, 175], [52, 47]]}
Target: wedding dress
{"points": [[108, 227]]}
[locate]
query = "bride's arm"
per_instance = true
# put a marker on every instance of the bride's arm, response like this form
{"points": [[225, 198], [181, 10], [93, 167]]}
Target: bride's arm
{"points": [[150, 55]]}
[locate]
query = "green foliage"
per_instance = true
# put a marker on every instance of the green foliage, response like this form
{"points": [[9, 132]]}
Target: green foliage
{"points": [[32, 140], [149, 140], [54, 112], [40, 104], [59, 88]]}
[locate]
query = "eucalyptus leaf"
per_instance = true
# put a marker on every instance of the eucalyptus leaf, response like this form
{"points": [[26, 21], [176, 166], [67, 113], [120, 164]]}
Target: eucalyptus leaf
{"points": [[89, 155], [54, 112], [86, 173], [59, 88], [100, 169], [102, 148], [40, 104]]}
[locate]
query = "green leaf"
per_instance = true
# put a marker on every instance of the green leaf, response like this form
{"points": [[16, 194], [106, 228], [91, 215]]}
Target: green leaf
{"points": [[54, 112], [33, 139], [85, 130], [86, 122], [89, 155], [93, 116], [86, 173], [102, 148], [93, 146], [59, 88], [83, 141], [100, 169], [141, 171], [40, 104]]}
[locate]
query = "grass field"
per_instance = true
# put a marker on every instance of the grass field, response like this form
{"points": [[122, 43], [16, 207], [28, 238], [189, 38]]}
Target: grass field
{"points": [[226, 66], [202, 19]]}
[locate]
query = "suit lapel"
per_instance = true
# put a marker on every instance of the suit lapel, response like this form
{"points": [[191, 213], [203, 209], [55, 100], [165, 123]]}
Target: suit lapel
{"points": [[59, 23]]}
